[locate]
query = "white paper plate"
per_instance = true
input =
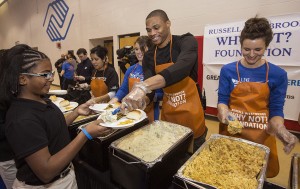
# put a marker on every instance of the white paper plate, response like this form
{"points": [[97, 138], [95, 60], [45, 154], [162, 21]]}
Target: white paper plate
{"points": [[116, 125], [58, 100], [99, 108], [58, 92], [72, 106]]}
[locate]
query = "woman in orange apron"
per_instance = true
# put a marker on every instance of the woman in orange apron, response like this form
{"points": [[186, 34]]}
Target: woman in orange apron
{"points": [[135, 74], [172, 65], [105, 82], [254, 91]]}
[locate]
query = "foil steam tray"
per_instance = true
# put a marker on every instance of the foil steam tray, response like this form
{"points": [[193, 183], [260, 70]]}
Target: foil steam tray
{"points": [[260, 177]]}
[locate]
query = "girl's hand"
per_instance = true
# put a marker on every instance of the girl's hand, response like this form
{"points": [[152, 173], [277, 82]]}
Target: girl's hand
{"points": [[84, 109], [95, 129]]}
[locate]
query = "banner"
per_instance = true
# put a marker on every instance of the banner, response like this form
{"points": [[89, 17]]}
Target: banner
{"points": [[222, 46]]}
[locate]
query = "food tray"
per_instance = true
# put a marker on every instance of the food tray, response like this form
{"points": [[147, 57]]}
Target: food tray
{"points": [[182, 181], [77, 122], [95, 152], [132, 172], [294, 180]]}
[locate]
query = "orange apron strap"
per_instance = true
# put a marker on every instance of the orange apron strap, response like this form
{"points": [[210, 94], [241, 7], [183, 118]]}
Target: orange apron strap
{"points": [[273, 164]]}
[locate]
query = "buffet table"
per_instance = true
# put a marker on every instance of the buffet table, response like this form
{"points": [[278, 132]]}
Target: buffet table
{"points": [[93, 172], [91, 178]]}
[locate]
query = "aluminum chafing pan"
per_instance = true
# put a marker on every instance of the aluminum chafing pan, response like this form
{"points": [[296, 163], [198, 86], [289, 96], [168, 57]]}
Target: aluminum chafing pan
{"points": [[187, 131], [294, 181], [95, 152], [132, 172], [83, 119], [188, 181]]}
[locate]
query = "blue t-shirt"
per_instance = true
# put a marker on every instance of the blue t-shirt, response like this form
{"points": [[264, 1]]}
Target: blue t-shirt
{"points": [[69, 70], [278, 83], [134, 71]]}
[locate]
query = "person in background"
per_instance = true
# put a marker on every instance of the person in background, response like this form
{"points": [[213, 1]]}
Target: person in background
{"points": [[35, 127], [135, 74], [105, 80], [253, 90], [85, 68], [58, 65], [172, 65], [8, 168], [67, 72]]}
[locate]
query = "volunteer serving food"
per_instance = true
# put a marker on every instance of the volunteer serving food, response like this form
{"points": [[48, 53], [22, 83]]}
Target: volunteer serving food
{"points": [[254, 90], [171, 65], [135, 74]]}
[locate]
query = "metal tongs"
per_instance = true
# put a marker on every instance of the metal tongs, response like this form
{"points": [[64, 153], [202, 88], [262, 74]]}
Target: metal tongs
{"points": [[119, 114], [115, 111]]}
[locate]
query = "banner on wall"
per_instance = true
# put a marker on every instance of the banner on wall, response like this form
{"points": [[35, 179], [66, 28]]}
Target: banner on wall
{"points": [[222, 46]]}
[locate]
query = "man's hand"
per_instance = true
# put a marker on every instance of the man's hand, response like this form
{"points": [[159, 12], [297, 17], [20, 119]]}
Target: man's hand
{"points": [[134, 100], [79, 78]]}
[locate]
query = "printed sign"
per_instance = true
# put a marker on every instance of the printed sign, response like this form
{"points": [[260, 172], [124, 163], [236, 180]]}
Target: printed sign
{"points": [[222, 46]]}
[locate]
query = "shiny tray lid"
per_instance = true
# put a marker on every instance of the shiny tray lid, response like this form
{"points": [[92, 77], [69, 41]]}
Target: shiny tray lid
{"points": [[260, 177]]}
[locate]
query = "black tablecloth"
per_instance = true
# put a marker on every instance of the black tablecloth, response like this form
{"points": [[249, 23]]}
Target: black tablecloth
{"points": [[91, 178]]}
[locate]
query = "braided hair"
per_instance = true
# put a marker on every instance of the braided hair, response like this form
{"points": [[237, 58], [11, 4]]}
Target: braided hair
{"points": [[18, 59]]}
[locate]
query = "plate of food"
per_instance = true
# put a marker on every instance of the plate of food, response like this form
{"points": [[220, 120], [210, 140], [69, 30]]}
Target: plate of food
{"points": [[120, 121], [66, 105], [55, 99], [58, 92], [99, 108]]}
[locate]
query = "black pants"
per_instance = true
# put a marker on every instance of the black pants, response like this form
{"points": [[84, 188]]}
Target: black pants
{"points": [[66, 82], [200, 140]]}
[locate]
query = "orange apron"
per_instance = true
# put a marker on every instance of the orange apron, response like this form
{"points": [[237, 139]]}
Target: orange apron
{"points": [[249, 101], [181, 101], [98, 86], [150, 107]]}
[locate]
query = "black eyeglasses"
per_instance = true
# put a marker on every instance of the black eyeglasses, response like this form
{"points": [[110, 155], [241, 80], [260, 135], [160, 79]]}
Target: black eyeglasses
{"points": [[47, 75]]}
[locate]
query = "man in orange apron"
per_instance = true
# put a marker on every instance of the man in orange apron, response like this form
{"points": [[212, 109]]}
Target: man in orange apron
{"points": [[172, 65], [255, 94]]}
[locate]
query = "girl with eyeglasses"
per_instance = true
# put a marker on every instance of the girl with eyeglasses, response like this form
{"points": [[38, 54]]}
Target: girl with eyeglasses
{"points": [[35, 127]]}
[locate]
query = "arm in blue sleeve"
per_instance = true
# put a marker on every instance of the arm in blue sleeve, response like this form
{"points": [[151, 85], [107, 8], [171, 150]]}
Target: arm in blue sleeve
{"points": [[224, 87], [277, 95], [124, 90]]}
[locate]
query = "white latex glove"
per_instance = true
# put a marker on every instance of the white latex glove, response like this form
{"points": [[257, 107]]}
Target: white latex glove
{"points": [[136, 98], [223, 114], [288, 139]]}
